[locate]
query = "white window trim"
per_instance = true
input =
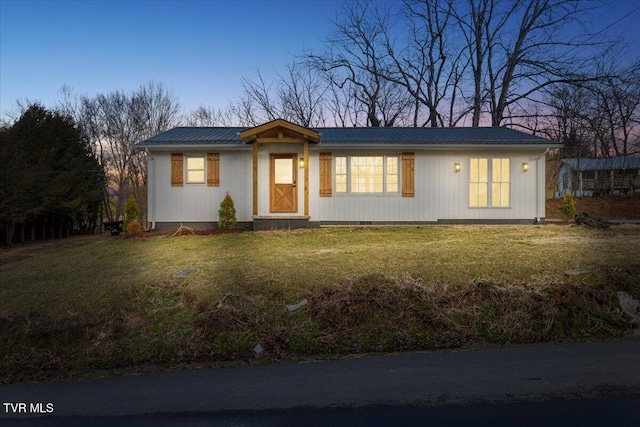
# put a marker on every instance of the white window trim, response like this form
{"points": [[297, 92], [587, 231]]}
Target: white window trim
{"points": [[490, 182], [384, 192], [204, 169]]}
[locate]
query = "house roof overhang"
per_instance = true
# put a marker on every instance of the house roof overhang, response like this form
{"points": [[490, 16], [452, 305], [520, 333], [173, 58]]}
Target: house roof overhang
{"points": [[279, 131]]}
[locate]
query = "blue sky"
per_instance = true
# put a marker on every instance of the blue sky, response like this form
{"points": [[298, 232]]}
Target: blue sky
{"points": [[199, 49]]}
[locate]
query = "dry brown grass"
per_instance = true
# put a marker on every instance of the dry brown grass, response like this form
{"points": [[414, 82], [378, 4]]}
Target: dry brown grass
{"points": [[369, 289]]}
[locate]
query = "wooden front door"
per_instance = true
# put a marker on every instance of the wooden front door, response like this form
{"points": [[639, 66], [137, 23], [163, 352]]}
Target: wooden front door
{"points": [[282, 183]]}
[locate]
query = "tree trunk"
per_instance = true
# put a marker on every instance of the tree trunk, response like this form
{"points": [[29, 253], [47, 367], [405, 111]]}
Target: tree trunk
{"points": [[8, 227], [44, 227]]}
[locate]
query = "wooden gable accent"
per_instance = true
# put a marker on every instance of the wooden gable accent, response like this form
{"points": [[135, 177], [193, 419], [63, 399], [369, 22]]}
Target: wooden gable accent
{"points": [[213, 169], [326, 179], [279, 131], [177, 169], [408, 175]]}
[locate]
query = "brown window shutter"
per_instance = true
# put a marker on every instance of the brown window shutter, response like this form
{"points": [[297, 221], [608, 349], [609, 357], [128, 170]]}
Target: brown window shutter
{"points": [[325, 175], [213, 169], [408, 179], [177, 170]]}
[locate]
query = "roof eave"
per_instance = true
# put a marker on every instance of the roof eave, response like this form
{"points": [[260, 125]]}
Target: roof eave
{"points": [[190, 146], [409, 146]]}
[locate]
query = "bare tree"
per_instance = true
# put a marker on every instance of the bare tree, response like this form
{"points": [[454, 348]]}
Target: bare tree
{"points": [[472, 23], [600, 117], [297, 96], [301, 95], [357, 60], [615, 118], [115, 121], [245, 111], [340, 105], [261, 94], [563, 116], [426, 64], [210, 116], [117, 135], [155, 109], [526, 46]]}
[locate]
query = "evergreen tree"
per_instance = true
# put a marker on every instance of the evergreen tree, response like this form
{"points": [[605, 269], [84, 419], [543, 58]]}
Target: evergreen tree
{"points": [[131, 211], [49, 177], [227, 214], [568, 207]]}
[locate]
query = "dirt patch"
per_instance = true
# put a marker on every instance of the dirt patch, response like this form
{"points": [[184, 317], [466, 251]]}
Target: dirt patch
{"points": [[170, 233], [609, 207]]}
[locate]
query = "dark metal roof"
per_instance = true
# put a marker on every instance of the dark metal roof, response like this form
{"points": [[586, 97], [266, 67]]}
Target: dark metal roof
{"points": [[607, 163], [195, 135], [359, 135]]}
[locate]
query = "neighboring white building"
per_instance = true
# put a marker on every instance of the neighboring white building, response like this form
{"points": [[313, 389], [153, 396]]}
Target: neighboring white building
{"points": [[281, 175], [607, 175]]}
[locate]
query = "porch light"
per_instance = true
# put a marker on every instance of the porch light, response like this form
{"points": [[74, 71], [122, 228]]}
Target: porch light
{"points": [[525, 166], [456, 167], [301, 162]]}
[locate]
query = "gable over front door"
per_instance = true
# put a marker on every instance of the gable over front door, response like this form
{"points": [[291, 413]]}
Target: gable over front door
{"points": [[283, 192]]}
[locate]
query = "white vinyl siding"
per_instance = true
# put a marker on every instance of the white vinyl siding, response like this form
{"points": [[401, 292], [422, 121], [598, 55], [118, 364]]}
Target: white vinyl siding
{"points": [[200, 203], [441, 193]]}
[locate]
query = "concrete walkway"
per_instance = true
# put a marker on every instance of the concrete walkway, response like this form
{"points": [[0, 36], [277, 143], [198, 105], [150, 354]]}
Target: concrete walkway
{"points": [[512, 374]]}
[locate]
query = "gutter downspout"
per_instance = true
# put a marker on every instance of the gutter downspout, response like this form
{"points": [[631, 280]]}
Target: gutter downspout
{"points": [[151, 189], [538, 184]]}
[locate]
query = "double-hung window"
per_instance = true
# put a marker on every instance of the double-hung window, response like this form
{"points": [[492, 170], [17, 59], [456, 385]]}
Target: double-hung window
{"points": [[366, 174], [489, 181], [195, 170], [500, 183]]}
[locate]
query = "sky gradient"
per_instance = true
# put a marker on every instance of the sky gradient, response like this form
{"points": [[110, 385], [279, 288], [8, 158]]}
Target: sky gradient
{"points": [[199, 49]]}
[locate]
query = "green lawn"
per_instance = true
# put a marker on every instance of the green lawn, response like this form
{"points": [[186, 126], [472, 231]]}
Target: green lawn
{"points": [[112, 304]]}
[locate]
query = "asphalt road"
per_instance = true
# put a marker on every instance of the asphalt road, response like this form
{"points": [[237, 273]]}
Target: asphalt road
{"points": [[557, 374], [612, 412]]}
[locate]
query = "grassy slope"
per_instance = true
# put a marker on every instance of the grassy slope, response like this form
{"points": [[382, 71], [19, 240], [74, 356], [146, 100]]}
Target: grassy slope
{"points": [[113, 303]]}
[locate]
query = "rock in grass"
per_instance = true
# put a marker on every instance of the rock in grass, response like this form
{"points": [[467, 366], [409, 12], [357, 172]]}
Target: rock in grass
{"points": [[576, 272], [295, 307], [258, 350], [630, 306]]}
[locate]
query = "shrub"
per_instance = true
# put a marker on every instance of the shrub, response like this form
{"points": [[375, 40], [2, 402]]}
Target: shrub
{"points": [[227, 214], [134, 227], [568, 208], [591, 221], [131, 211]]}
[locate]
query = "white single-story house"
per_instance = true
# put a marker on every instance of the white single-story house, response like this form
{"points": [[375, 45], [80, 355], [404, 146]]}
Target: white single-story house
{"points": [[588, 177], [281, 175]]}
